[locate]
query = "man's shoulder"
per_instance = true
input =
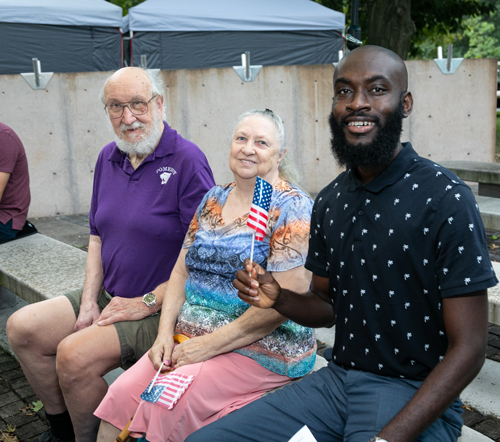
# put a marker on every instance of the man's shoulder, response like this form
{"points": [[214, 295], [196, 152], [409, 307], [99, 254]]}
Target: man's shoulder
{"points": [[182, 148], [434, 170], [333, 187], [188, 148], [6, 129], [108, 150], [9, 139], [110, 147]]}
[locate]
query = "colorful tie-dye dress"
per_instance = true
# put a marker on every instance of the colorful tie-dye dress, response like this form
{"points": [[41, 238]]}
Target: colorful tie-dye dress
{"points": [[217, 251]]}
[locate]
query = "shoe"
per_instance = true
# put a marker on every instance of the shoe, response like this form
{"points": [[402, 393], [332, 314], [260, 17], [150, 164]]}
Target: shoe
{"points": [[47, 436]]}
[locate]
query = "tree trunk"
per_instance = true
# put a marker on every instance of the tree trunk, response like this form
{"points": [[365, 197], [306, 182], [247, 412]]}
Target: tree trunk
{"points": [[390, 25]]}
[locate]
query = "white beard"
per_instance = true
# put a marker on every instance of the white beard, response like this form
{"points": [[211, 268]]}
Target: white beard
{"points": [[146, 142]]}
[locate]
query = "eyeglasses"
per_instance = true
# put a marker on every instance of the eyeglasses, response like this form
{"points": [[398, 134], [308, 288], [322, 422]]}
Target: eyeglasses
{"points": [[137, 107]]}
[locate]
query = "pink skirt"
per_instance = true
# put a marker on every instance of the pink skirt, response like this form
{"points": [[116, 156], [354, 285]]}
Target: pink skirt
{"points": [[221, 385]]}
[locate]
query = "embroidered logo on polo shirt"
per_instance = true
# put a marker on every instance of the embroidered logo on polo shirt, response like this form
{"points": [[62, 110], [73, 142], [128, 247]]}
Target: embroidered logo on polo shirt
{"points": [[166, 173], [164, 177]]}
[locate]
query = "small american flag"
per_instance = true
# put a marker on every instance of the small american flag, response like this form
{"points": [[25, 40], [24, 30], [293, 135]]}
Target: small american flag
{"points": [[259, 212], [168, 389]]}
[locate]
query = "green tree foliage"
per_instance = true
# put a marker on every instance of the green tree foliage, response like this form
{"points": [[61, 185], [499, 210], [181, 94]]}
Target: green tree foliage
{"points": [[483, 36], [481, 43], [433, 20], [125, 4], [480, 38]]}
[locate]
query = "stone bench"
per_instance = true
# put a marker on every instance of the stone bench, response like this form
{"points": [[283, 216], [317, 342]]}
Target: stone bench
{"points": [[486, 174], [494, 298], [37, 267], [490, 211]]}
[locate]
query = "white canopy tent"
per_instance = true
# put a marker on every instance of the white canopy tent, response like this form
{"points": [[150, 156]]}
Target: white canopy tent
{"points": [[65, 35], [199, 34]]}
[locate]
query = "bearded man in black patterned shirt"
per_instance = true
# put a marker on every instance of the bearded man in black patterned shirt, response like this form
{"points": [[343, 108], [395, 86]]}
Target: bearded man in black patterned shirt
{"points": [[400, 265]]}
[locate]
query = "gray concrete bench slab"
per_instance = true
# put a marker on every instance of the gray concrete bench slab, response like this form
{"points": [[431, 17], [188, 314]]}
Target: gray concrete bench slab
{"points": [[486, 174], [37, 267], [490, 211], [494, 298], [470, 435]]}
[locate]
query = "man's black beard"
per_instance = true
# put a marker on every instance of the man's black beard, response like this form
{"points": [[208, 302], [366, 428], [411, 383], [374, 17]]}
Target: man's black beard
{"points": [[376, 154]]}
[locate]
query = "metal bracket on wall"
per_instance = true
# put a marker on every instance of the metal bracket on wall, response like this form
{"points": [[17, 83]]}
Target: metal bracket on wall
{"points": [[247, 72], [341, 56], [37, 79], [449, 65], [144, 65]]}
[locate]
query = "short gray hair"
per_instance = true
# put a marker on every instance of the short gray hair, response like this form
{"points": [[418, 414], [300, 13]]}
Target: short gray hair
{"points": [[287, 169], [156, 88]]}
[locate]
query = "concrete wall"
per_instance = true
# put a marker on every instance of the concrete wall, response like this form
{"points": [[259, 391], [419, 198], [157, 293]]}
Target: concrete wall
{"points": [[64, 127], [454, 116]]}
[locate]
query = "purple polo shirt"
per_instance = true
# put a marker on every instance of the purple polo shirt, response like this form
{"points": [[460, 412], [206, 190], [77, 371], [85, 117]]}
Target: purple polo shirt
{"points": [[143, 215]]}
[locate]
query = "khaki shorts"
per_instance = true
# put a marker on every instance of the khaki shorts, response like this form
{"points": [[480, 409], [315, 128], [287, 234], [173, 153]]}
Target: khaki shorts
{"points": [[136, 337]]}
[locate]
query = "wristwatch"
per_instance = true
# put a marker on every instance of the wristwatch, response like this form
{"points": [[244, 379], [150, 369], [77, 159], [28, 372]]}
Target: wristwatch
{"points": [[150, 300], [377, 439]]}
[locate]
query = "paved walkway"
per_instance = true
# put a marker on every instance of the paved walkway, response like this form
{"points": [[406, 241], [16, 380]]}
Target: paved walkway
{"points": [[18, 422]]}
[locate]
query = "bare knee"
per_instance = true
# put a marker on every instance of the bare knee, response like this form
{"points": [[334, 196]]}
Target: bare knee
{"points": [[76, 363], [72, 365], [38, 328], [24, 330], [84, 357]]}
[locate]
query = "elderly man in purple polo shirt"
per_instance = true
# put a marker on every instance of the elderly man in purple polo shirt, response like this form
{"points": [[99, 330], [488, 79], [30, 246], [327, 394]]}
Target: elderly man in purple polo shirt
{"points": [[147, 185]]}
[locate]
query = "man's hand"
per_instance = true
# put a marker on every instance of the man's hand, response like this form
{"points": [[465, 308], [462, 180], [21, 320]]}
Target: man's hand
{"points": [[161, 351], [123, 309], [256, 286], [89, 312]]}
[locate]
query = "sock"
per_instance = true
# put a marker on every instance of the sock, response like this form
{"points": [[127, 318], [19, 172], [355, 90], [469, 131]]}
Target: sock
{"points": [[61, 426]]}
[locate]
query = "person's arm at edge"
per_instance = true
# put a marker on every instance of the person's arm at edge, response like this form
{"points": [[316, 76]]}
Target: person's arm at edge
{"points": [[466, 323], [4, 179], [310, 309]]}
